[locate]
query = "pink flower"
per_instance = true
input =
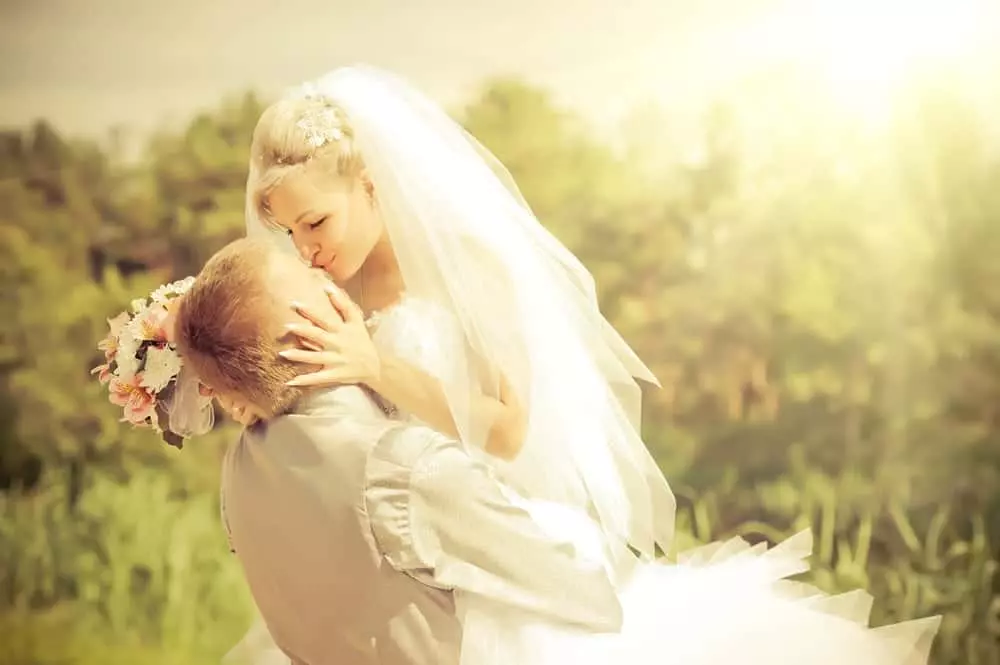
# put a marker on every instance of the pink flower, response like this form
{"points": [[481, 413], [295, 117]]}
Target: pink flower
{"points": [[139, 404], [103, 373], [110, 343], [149, 324]]}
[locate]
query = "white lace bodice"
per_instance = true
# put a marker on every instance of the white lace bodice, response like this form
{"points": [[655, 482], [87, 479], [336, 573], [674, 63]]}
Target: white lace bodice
{"points": [[430, 337], [422, 334]]}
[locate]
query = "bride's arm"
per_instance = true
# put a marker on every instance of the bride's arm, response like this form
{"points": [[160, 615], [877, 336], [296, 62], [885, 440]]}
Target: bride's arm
{"points": [[418, 393], [343, 348], [498, 412]]}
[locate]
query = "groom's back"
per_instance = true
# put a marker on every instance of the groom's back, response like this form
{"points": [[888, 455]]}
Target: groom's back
{"points": [[294, 502]]}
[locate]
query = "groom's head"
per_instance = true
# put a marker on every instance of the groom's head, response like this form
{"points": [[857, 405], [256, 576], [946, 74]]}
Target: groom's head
{"points": [[230, 325]]}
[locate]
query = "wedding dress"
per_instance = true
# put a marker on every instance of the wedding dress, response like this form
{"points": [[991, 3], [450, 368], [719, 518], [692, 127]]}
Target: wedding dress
{"points": [[724, 603]]}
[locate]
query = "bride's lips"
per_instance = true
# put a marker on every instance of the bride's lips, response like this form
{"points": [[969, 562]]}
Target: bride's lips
{"points": [[323, 264]]}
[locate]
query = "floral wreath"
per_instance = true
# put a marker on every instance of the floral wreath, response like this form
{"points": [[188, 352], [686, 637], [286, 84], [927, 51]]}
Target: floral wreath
{"points": [[145, 374]]}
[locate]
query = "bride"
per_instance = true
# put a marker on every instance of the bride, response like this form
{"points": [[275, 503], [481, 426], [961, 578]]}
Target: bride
{"points": [[460, 310]]}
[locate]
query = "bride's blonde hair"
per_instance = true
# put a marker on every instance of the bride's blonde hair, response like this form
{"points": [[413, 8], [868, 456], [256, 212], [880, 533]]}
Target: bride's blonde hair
{"points": [[295, 133]]}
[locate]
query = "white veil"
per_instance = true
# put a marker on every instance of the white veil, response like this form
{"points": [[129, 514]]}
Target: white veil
{"points": [[465, 239]]}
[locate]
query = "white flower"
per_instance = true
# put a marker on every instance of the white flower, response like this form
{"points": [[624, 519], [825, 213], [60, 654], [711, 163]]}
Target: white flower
{"points": [[116, 324], [162, 365], [128, 364], [184, 285], [138, 305], [163, 293], [149, 324], [159, 295]]}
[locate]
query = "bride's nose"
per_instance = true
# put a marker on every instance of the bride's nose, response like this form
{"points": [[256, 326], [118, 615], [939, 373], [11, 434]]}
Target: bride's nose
{"points": [[308, 252]]}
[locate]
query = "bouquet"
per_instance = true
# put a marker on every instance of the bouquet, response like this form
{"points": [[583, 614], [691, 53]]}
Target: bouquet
{"points": [[145, 373]]}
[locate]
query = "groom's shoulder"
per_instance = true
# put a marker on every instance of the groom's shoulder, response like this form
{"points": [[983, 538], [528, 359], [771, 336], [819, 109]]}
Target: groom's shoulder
{"points": [[339, 403], [347, 401], [337, 416]]}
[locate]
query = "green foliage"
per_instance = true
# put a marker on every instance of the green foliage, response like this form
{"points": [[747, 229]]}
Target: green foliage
{"points": [[916, 564], [816, 299], [145, 565]]}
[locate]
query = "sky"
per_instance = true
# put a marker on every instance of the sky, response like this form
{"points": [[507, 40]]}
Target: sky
{"points": [[90, 65]]}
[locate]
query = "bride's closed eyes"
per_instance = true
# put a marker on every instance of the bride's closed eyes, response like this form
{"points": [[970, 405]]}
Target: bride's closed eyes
{"points": [[312, 225]]}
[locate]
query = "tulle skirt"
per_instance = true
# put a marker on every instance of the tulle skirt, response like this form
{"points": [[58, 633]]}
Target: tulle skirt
{"points": [[727, 603]]}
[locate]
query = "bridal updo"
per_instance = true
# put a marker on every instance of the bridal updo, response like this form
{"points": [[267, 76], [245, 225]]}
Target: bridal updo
{"points": [[296, 133]]}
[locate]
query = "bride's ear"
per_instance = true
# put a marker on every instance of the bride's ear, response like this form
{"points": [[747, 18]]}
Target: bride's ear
{"points": [[367, 184]]}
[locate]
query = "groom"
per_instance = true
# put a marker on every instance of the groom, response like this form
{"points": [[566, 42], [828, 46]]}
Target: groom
{"points": [[356, 533]]}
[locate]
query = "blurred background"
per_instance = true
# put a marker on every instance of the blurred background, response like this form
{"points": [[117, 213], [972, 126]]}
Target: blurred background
{"points": [[792, 211]]}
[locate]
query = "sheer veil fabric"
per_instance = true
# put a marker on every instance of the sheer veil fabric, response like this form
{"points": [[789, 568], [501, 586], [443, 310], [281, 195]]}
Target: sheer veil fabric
{"points": [[466, 240]]}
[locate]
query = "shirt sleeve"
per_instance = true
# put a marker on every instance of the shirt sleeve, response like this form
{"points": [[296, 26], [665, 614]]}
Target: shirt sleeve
{"points": [[439, 515]]}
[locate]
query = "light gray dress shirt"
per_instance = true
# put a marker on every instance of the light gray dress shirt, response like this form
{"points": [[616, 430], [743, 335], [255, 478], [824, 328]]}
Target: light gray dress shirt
{"points": [[357, 533]]}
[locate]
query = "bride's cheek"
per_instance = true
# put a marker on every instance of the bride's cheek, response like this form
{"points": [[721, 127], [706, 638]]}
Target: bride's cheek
{"points": [[340, 234]]}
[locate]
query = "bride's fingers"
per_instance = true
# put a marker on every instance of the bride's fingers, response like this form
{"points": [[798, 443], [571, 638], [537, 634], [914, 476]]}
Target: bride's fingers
{"points": [[322, 322], [306, 333], [324, 377], [342, 302], [311, 346], [309, 357]]}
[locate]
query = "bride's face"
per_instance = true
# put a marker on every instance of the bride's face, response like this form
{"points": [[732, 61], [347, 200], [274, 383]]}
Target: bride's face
{"points": [[332, 220]]}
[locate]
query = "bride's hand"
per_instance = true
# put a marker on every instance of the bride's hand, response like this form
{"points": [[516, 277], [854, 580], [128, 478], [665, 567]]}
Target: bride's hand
{"points": [[341, 346]]}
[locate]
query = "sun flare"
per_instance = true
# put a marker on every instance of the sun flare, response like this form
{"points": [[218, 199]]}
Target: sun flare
{"points": [[867, 48]]}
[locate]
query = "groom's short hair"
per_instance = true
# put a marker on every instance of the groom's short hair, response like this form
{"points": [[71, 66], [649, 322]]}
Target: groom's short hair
{"points": [[227, 331]]}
